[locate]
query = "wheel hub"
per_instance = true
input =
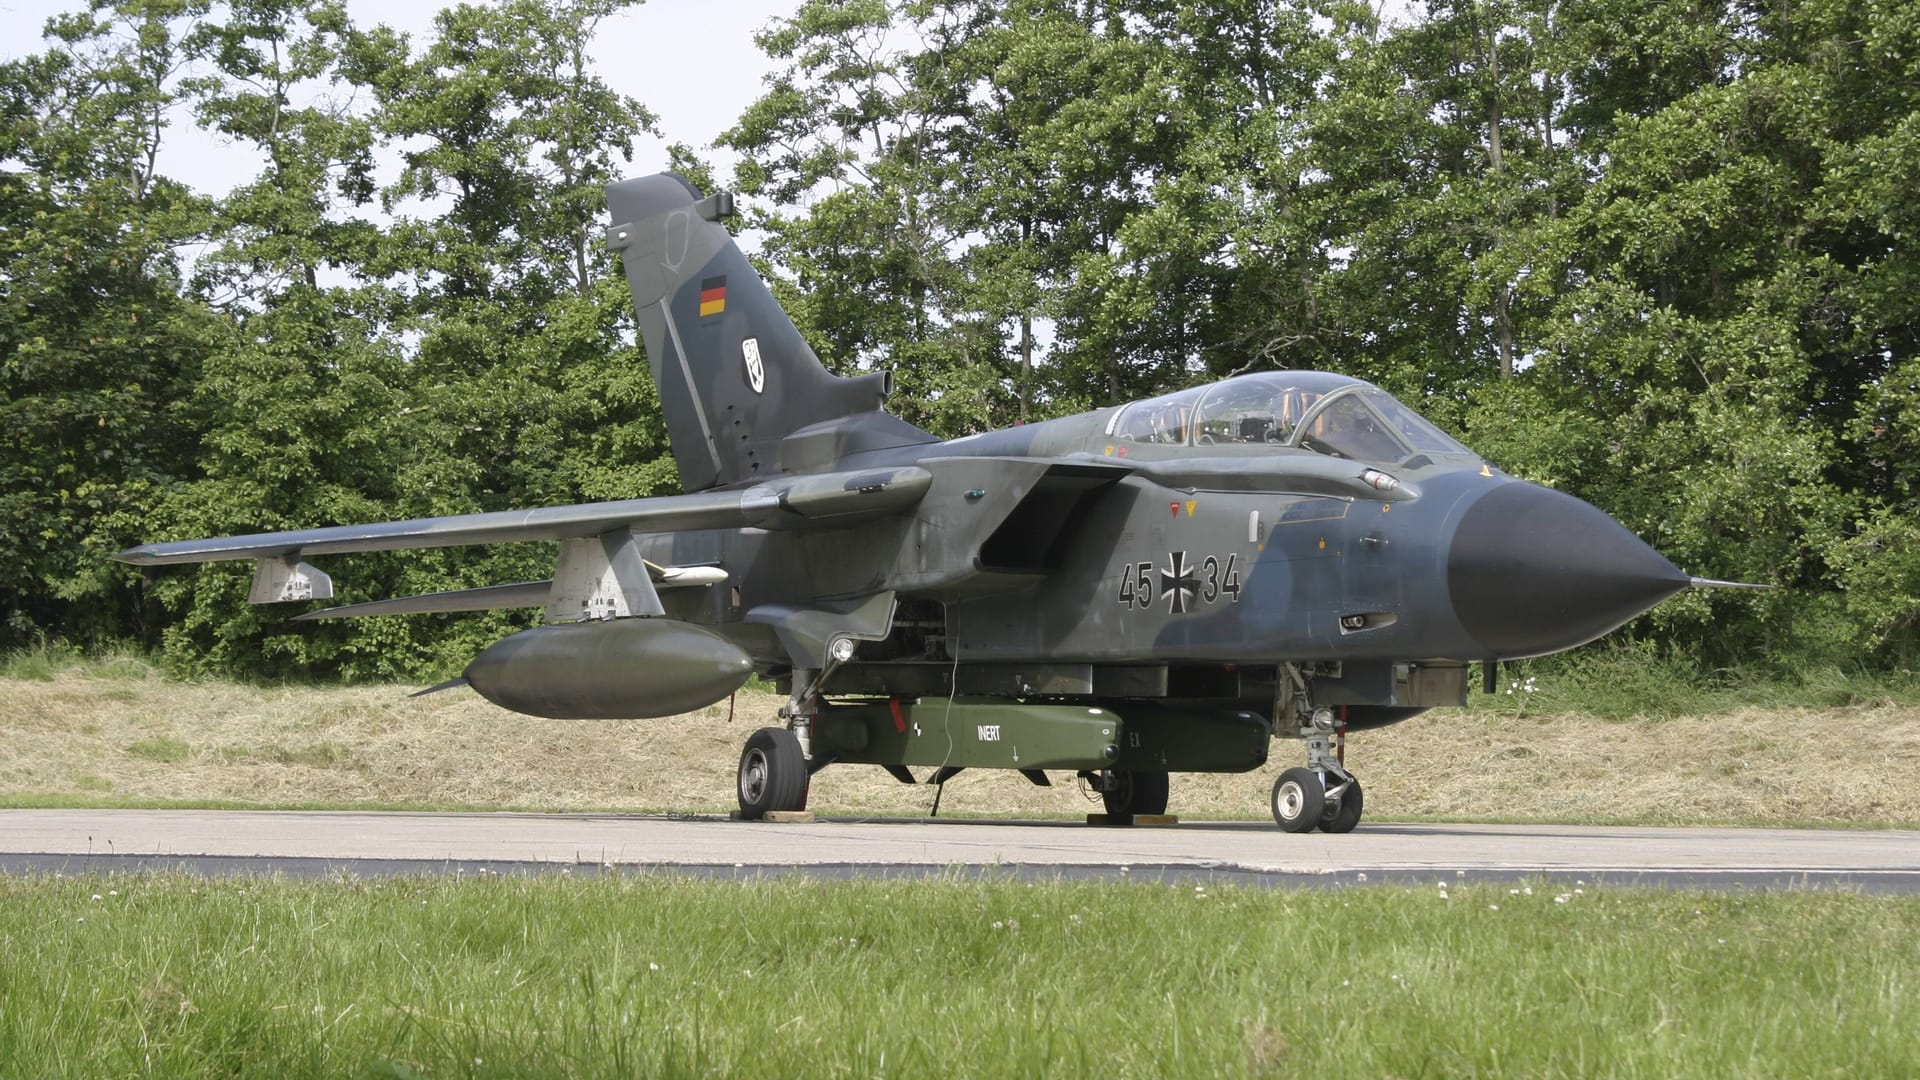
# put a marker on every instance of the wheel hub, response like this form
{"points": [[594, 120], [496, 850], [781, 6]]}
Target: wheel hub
{"points": [[1292, 799], [753, 776]]}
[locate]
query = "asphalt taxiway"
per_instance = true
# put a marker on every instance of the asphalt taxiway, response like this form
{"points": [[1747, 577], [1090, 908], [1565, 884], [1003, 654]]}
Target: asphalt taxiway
{"points": [[317, 842]]}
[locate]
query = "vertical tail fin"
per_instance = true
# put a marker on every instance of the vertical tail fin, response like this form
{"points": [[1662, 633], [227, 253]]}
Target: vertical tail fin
{"points": [[734, 374]]}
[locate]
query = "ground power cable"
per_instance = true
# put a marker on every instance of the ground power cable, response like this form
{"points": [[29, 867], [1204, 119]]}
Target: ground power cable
{"points": [[946, 722]]}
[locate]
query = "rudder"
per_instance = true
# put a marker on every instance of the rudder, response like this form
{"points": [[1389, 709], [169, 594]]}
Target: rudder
{"points": [[734, 374]]}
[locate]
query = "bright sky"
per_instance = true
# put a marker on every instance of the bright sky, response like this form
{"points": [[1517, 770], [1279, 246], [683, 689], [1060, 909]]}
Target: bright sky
{"points": [[693, 62]]}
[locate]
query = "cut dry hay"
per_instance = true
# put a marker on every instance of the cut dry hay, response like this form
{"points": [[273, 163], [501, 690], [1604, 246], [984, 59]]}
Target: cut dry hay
{"points": [[118, 740]]}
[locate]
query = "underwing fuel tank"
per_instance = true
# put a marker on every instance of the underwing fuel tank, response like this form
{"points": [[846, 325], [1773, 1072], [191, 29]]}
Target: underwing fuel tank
{"points": [[618, 669]]}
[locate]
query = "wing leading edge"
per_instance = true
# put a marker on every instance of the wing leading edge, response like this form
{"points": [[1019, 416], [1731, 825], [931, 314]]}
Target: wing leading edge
{"points": [[795, 502]]}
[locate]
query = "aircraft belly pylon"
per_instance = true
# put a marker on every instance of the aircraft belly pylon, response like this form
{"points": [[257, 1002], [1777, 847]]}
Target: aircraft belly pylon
{"points": [[1158, 587]]}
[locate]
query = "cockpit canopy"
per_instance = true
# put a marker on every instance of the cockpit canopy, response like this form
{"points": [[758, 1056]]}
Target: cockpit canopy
{"points": [[1316, 410]]}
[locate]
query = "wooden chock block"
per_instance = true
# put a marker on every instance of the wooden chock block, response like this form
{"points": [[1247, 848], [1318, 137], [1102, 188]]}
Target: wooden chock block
{"points": [[777, 817], [1120, 820]]}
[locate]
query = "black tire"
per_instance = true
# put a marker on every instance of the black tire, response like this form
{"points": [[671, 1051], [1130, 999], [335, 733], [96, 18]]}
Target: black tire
{"points": [[1342, 814], [1299, 799], [773, 774], [1131, 793]]}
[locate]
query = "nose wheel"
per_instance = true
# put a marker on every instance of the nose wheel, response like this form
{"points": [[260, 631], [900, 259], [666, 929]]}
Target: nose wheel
{"points": [[1322, 794], [1304, 800], [1299, 798], [1342, 810]]}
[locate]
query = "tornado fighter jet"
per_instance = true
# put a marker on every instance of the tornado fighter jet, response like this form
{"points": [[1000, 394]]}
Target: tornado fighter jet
{"points": [[1158, 587]]}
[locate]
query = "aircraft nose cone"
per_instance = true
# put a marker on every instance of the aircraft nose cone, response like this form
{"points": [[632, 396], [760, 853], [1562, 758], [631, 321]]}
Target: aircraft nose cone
{"points": [[1533, 571]]}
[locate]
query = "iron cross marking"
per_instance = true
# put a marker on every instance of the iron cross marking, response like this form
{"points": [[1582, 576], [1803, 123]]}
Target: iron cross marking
{"points": [[1178, 584]]}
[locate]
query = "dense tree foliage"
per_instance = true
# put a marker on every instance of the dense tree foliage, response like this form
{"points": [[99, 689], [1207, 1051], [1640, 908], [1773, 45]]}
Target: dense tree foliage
{"points": [[1657, 254]]}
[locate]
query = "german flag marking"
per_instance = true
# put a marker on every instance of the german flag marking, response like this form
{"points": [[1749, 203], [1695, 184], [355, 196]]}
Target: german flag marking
{"points": [[713, 296]]}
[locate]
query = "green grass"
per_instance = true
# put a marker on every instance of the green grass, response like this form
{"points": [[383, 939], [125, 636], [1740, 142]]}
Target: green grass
{"points": [[663, 976], [48, 658], [160, 748], [1626, 679]]}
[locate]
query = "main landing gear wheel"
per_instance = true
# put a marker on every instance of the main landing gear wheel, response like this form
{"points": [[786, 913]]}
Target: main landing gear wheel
{"points": [[1128, 793], [1299, 800], [773, 773], [1342, 811]]}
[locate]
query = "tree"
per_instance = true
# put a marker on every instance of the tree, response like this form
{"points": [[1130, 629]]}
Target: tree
{"points": [[301, 386], [97, 346]]}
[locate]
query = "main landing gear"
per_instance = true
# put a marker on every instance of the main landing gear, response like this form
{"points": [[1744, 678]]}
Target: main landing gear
{"points": [[1323, 795], [778, 763], [773, 773], [1130, 792]]}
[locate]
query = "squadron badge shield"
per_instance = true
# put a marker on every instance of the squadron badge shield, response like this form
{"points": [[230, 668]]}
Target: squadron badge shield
{"points": [[756, 371]]}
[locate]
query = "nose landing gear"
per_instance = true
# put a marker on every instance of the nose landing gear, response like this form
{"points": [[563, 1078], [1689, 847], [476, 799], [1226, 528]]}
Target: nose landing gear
{"points": [[1323, 795], [1304, 800]]}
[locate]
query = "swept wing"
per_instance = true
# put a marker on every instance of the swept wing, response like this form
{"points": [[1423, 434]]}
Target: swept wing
{"points": [[598, 562]]}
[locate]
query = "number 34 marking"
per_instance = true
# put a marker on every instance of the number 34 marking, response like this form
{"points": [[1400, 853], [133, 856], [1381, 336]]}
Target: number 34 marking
{"points": [[1216, 580]]}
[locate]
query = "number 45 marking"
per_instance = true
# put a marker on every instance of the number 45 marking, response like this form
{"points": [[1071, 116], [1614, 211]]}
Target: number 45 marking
{"points": [[1136, 585]]}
